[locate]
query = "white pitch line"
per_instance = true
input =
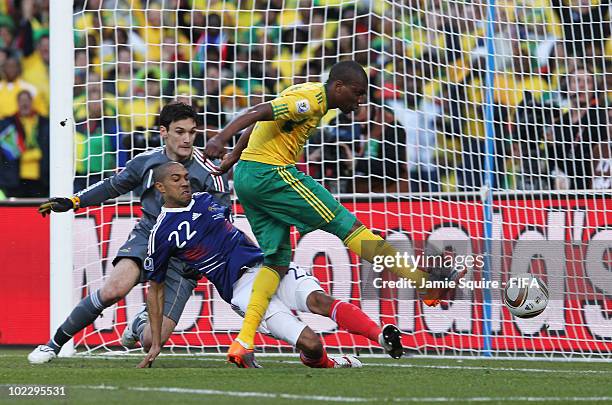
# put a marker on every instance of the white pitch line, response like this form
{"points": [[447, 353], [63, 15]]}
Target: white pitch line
{"points": [[534, 370], [325, 398], [438, 367], [241, 394]]}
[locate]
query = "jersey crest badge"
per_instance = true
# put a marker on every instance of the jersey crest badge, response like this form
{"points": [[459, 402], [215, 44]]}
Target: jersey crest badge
{"points": [[148, 264], [302, 106]]}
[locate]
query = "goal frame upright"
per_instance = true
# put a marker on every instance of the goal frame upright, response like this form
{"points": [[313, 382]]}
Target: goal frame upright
{"points": [[61, 156]]}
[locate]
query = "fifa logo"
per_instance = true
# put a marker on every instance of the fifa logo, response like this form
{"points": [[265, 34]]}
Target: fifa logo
{"points": [[517, 282]]}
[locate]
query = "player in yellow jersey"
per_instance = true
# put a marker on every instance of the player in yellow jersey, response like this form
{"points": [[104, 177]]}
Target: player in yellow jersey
{"points": [[275, 195]]}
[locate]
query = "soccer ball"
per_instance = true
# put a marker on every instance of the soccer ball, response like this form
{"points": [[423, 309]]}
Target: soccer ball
{"points": [[526, 296]]}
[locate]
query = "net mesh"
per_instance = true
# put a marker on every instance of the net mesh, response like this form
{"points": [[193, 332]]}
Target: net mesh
{"points": [[530, 76]]}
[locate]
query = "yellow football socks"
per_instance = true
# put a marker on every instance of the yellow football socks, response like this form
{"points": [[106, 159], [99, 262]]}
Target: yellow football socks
{"points": [[264, 287], [367, 245]]}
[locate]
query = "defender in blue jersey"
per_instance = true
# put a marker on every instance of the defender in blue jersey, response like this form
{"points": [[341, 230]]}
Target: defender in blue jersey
{"points": [[178, 130], [200, 235], [197, 230]]}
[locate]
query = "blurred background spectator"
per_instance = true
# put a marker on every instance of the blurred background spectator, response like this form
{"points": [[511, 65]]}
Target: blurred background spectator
{"points": [[96, 141], [24, 151], [24, 95], [382, 162], [12, 84], [602, 159], [578, 131]]}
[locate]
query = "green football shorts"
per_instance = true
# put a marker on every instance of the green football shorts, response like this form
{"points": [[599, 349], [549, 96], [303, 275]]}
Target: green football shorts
{"points": [[276, 197]]}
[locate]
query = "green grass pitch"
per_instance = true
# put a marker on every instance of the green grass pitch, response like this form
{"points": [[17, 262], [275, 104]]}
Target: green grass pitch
{"points": [[208, 379]]}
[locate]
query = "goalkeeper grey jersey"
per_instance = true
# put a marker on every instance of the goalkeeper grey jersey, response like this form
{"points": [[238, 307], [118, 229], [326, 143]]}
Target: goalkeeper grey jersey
{"points": [[138, 176]]}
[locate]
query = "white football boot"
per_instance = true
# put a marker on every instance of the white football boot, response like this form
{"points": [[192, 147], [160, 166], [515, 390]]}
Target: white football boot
{"points": [[346, 361], [42, 354], [390, 339], [128, 337]]}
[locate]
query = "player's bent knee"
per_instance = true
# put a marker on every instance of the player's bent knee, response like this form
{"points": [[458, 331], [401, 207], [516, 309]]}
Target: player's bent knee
{"points": [[281, 270], [319, 303], [122, 279], [309, 343], [112, 292]]}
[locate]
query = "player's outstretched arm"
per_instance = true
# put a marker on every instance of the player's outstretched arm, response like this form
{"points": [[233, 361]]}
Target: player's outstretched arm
{"points": [[59, 204], [111, 187], [215, 147], [155, 304]]}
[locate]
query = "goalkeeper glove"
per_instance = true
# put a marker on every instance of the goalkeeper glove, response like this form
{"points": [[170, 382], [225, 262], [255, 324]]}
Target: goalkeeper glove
{"points": [[59, 204]]}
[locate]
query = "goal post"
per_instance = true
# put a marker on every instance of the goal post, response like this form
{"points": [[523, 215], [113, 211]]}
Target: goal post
{"points": [[61, 79], [486, 133], [487, 203]]}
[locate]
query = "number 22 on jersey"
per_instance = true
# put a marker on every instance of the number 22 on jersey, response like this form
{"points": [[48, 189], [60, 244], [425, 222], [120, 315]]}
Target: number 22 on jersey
{"points": [[176, 234]]}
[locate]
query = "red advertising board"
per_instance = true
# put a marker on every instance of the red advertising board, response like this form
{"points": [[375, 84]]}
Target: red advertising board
{"points": [[578, 320]]}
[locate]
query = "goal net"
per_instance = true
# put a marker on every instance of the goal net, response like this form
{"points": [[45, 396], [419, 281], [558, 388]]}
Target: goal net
{"points": [[486, 133]]}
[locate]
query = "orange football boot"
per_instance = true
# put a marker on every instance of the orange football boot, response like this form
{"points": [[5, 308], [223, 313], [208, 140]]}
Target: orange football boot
{"points": [[240, 356]]}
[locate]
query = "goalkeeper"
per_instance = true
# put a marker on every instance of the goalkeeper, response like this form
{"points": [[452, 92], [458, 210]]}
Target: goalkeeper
{"points": [[178, 130], [275, 195]]}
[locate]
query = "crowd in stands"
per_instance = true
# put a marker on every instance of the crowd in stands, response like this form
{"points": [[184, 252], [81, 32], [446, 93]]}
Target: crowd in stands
{"points": [[24, 99], [435, 92]]}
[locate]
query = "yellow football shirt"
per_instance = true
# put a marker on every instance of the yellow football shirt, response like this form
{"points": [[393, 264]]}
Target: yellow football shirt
{"points": [[297, 113]]}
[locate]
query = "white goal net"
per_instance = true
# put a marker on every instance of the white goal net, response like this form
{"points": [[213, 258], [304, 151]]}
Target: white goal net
{"points": [[487, 130]]}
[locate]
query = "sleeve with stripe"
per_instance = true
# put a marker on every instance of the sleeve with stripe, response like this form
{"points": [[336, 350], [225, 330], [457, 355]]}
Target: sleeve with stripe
{"points": [[159, 252], [294, 107]]}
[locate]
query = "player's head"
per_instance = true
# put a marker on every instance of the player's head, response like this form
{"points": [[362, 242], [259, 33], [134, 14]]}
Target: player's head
{"points": [[347, 86], [172, 181], [177, 127]]}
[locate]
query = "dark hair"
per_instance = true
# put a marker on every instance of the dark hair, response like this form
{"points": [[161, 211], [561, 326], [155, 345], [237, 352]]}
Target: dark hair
{"points": [[348, 72], [14, 57], [29, 94], [161, 172], [176, 111]]}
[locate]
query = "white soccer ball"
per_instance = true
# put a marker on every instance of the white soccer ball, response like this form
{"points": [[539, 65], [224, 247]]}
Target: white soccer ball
{"points": [[526, 296]]}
